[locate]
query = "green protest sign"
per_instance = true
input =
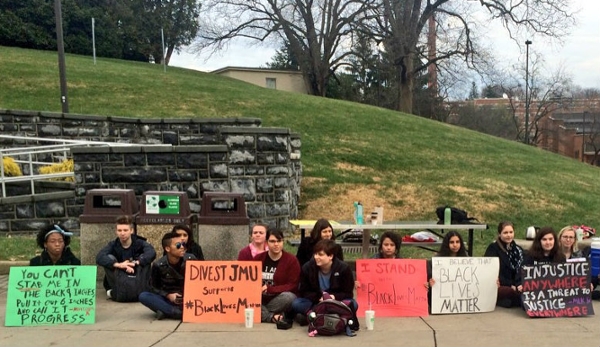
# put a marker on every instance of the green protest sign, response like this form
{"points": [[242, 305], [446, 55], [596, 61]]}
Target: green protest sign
{"points": [[51, 295]]}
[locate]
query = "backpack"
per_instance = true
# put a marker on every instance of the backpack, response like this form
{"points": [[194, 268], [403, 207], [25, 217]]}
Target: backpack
{"points": [[332, 317], [128, 287], [457, 216]]}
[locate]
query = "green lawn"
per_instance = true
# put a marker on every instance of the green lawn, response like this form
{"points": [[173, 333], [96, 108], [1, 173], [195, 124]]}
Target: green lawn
{"points": [[412, 163]]}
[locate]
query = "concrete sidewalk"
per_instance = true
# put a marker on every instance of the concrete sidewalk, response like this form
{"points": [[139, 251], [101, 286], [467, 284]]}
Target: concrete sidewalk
{"points": [[131, 324]]}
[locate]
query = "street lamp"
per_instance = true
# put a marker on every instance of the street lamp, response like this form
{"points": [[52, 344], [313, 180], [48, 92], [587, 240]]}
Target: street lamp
{"points": [[527, 43]]}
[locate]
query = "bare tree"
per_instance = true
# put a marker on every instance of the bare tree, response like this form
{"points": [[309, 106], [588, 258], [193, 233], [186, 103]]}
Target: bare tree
{"points": [[400, 26], [316, 30]]}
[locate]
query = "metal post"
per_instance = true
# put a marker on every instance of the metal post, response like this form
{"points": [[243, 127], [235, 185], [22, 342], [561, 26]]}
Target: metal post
{"points": [[60, 46], [527, 43], [583, 138], [94, 38], [162, 35]]}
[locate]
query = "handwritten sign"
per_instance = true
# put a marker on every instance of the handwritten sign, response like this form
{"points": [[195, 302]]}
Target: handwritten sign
{"points": [[219, 291], [392, 287], [464, 285], [51, 295], [557, 290]]}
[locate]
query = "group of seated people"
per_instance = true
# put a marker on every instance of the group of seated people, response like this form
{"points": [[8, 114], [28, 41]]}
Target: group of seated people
{"points": [[292, 285]]}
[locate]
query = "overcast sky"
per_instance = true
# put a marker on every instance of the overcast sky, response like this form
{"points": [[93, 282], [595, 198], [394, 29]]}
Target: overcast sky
{"points": [[580, 54]]}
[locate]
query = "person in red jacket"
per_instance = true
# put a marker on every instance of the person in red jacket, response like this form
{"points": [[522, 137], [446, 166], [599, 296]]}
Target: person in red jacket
{"points": [[281, 274]]}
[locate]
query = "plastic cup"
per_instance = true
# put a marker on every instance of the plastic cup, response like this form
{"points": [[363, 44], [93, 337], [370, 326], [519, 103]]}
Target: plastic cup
{"points": [[249, 314], [370, 319]]}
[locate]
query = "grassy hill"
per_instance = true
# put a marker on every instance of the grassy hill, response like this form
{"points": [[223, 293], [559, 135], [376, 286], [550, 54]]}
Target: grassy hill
{"points": [[350, 152]]}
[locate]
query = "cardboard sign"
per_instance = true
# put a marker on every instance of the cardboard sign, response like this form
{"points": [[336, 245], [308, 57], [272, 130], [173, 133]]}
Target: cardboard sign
{"points": [[219, 291], [464, 284], [392, 287], [557, 290], [51, 295]]}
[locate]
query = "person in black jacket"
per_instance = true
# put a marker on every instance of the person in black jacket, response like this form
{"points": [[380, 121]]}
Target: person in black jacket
{"points": [[511, 259], [124, 253], [187, 237], [54, 240], [167, 279], [325, 273], [322, 230], [544, 249]]}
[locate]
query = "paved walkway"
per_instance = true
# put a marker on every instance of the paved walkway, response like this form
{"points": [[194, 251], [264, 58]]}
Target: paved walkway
{"points": [[131, 324]]}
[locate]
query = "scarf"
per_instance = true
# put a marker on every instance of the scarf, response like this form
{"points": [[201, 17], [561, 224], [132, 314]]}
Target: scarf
{"points": [[515, 255]]}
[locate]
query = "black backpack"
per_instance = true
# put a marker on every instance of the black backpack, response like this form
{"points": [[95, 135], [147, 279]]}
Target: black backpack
{"points": [[332, 317], [457, 216], [128, 287]]}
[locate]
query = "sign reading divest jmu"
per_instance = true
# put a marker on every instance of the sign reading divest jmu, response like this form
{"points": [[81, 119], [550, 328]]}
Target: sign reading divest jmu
{"points": [[47, 295], [557, 290], [220, 291]]}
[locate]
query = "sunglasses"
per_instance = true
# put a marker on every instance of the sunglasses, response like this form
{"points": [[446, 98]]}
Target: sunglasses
{"points": [[178, 245]]}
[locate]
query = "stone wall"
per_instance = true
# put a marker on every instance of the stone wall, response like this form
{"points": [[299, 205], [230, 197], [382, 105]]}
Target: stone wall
{"points": [[223, 155]]}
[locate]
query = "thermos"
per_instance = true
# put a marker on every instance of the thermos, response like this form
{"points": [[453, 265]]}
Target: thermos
{"points": [[595, 257], [447, 216]]}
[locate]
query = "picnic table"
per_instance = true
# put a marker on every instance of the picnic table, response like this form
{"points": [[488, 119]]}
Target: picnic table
{"points": [[432, 226]]}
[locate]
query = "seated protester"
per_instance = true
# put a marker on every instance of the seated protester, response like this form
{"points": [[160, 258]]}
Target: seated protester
{"points": [[452, 246], [322, 230], [567, 242], [281, 274], [258, 243], [325, 273], [510, 258], [167, 279], [124, 253], [544, 249], [389, 248], [54, 240], [187, 237]]}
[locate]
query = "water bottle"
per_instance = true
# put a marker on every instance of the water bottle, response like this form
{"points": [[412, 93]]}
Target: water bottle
{"points": [[595, 257], [447, 216], [312, 316], [358, 213]]}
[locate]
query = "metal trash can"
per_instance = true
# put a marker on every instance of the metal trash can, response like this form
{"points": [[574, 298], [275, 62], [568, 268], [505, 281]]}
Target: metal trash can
{"points": [[97, 223], [159, 212], [222, 225]]}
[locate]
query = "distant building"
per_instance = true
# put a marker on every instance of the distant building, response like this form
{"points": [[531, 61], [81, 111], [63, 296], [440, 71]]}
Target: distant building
{"points": [[290, 81]]}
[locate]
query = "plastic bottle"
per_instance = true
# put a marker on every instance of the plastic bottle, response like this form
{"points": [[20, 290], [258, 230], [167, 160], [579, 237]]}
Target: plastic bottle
{"points": [[358, 213], [447, 216], [595, 257]]}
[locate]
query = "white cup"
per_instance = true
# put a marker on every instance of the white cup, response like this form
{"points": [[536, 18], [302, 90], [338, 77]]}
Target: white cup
{"points": [[249, 314], [370, 319]]}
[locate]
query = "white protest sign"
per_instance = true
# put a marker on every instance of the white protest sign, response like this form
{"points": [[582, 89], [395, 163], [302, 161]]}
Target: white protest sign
{"points": [[464, 285]]}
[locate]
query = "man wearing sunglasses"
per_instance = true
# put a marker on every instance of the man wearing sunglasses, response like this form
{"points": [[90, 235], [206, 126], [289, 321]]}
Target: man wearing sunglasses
{"points": [[168, 277]]}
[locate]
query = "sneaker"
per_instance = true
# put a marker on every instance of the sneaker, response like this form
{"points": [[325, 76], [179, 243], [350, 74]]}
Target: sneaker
{"points": [[108, 293], [160, 315], [177, 313], [301, 319], [506, 303], [285, 324]]}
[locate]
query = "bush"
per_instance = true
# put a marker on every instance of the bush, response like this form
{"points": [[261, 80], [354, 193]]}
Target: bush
{"points": [[64, 166], [11, 168]]}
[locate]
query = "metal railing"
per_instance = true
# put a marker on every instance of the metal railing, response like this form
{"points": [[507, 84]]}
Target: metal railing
{"points": [[29, 157]]}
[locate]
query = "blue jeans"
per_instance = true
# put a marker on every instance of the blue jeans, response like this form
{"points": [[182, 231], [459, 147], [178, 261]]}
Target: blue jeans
{"points": [[156, 302]]}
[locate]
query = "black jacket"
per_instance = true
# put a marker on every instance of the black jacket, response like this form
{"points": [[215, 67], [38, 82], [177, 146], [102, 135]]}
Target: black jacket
{"points": [[67, 258], [341, 283], [305, 251], [507, 276], [142, 252], [165, 279]]}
